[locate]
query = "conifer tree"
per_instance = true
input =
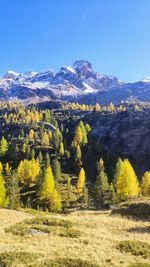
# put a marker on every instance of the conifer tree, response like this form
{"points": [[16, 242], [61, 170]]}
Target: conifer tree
{"points": [[48, 195], [28, 171], [78, 137], [47, 185], [126, 181], [101, 185], [61, 150], [55, 204], [78, 156], [14, 192], [1, 167], [31, 135], [3, 146], [97, 107], [85, 198], [47, 160], [56, 168], [3, 198], [40, 158], [45, 139], [145, 185], [87, 128], [112, 195], [24, 148], [81, 181]]}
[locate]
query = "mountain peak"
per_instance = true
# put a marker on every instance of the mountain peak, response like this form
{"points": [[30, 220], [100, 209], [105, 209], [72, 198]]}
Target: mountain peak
{"points": [[11, 74], [80, 64]]}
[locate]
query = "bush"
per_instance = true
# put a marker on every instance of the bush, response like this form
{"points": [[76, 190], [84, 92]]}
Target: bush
{"points": [[8, 259], [136, 248], [50, 222], [67, 262], [140, 265]]}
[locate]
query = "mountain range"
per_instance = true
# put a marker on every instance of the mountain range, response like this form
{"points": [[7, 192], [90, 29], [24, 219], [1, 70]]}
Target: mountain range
{"points": [[78, 82]]}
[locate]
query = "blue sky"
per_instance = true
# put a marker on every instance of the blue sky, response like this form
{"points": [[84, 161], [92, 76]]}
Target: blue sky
{"points": [[114, 35]]}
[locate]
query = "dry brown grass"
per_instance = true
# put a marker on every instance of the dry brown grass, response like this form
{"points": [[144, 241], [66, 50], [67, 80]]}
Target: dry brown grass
{"points": [[100, 234]]}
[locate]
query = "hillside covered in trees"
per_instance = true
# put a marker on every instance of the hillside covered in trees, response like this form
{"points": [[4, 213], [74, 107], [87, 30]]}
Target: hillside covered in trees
{"points": [[51, 158]]}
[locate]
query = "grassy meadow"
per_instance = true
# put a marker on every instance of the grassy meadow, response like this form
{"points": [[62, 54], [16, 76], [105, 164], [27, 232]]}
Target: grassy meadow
{"points": [[79, 239]]}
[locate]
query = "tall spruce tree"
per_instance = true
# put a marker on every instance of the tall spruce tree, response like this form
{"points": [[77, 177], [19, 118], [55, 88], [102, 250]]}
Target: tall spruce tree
{"points": [[101, 186], [56, 169]]}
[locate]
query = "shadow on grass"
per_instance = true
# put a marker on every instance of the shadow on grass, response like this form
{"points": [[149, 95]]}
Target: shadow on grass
{"points": [[142, 230]]}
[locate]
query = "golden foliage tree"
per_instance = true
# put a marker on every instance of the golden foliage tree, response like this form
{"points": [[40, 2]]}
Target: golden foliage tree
{"points": [[81, 181], [61, 150], [3, 198], [28, 171], [48, 195], [126, 182]]}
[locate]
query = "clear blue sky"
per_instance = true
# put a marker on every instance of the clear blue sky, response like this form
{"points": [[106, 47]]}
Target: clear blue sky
{"points": [[114, 35]]}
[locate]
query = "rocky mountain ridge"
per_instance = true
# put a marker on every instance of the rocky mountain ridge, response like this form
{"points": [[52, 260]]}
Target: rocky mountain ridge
{"points": [[78, 82]]}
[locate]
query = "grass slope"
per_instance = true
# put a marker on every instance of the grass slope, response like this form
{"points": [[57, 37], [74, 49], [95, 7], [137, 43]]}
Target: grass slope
{"points": [[95, 244]]}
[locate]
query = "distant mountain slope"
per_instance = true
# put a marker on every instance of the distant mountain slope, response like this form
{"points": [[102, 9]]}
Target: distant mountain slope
{"points": [[78, 82]]}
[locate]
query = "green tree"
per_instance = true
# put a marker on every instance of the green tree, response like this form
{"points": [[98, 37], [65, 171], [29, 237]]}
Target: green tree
{"points": [[56, 169], [3, 146], [145, 185], [14, 192], [101, 186], [47, 160]]}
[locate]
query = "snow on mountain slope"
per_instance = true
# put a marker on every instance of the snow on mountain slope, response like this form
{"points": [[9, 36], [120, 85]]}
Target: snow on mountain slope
{"points": [[77, 82]]}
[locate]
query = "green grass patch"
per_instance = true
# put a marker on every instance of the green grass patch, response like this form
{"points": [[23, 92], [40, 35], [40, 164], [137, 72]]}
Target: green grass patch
{"points": [[136, 248], [50, 222], [72, 233], [9, 259], [68, 262], [139, 265], [40, 225]]}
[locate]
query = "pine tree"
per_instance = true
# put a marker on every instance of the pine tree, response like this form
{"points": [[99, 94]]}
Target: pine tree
{"points": [[112, 195], [3, 198], [55, 202], [31, 135], [3, 146], [61, 150], [87, 128], [81, 181], [45, 139], [145, 185], [125, 180], [84, 133], [14, 192], [47, 160], [48, 195], [47, 186], [78, 137], [40, 158], [56, 169], [24, 148], [97, 107], [101, 186], [28, 171], [85, 198], [1, 167]]}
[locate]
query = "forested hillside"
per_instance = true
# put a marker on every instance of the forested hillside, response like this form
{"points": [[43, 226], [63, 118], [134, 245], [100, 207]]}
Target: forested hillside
{"points": [[51, 159]]}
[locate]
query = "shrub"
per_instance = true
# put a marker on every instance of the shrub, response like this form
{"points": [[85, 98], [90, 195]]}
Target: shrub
{"points": [[136, 248]]}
